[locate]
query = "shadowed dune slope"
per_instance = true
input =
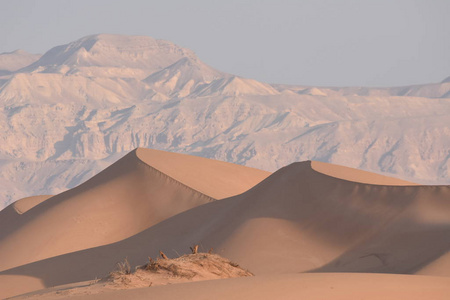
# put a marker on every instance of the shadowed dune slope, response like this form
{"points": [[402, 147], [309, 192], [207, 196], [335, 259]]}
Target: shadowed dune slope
{"points": [[296, 220], [9, 214], [121, 201]]}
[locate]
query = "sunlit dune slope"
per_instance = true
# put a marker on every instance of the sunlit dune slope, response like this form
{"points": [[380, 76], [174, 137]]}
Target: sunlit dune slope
{"points": [[140, 190], [214, 178], [296, 220], [355, 175]]}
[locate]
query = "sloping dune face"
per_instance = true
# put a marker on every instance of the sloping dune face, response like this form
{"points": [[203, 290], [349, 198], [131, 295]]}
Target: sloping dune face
{"points": [[355, 175], [296, 220], [214, 178], [133, 194], [301, 220], [21, 206], [13, 211]]}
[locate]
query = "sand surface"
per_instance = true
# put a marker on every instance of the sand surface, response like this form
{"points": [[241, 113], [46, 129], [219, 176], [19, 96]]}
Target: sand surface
{"points": [[332, 286], [308, 217]]}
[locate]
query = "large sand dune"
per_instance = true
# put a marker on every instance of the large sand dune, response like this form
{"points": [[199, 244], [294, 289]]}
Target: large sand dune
{"points": [[133, 194], [306, 217]]}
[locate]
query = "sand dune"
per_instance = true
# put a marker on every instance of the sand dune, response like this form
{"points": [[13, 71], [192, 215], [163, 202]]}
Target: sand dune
{"points": [[299, 219], [121, 201]]}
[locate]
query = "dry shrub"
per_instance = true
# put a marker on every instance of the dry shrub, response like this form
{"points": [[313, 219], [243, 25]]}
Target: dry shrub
{"points": [[123, 267], [194, 250], [151, 266], [170, 268], [121, 273], [163, 255], [233, 264]]}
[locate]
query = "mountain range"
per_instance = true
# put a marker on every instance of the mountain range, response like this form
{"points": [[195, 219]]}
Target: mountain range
{"points": [[68, 114]]}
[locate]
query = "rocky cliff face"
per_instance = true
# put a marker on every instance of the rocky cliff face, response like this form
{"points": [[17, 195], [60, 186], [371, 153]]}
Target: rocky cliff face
{"points": [[83, 105]]}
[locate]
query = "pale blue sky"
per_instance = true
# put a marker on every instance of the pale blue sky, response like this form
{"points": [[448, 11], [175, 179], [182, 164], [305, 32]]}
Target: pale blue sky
{"points": [[310, 42]]}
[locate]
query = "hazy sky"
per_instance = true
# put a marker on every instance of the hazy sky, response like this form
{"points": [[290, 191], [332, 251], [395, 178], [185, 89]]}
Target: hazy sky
{"points": [[310, 42]]}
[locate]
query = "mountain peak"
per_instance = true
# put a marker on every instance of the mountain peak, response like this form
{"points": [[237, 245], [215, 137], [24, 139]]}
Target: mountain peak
{"points": [[234, 86], [17, 52], [17, 59], [111, 50], [183, 77]]}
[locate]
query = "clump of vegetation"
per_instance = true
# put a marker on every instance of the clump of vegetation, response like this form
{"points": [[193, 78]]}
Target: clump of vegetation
{"points": [[189, 267], [121, 273], [124, 267]]}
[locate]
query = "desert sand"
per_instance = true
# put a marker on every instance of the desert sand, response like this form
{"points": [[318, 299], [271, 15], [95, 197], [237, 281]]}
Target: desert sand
{"points": [[310, 229], [335, 286]]}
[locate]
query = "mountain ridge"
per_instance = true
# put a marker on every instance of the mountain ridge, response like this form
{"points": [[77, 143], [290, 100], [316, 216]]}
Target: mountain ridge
{"points": [[85, 104], [134, 51]]}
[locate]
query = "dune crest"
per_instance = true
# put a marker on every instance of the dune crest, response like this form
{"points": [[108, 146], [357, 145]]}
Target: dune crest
{"points": [[23, 205], [217, 179], [356, 175]]}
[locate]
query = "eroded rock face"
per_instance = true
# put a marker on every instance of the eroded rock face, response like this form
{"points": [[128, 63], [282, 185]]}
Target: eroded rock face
{"points": [[83, 105]]}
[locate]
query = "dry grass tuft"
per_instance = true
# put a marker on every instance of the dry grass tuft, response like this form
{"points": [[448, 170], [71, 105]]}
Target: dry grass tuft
{"points": [[122, 272], [194, 250], [123, 267], [233, 264], [151, 265], [163, 255]]}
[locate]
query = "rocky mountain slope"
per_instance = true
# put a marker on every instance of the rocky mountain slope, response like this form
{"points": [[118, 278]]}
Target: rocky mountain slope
{"points": [[82, 106]]}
